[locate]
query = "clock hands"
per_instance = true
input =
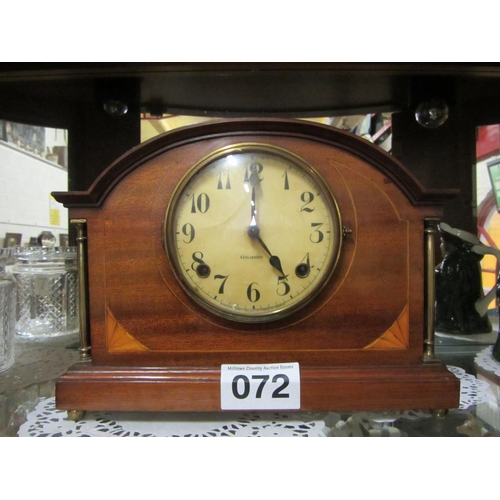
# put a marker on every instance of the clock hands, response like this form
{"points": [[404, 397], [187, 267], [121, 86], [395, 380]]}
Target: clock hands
{"points": [[254, 181], [274, 260], [253, 229]]}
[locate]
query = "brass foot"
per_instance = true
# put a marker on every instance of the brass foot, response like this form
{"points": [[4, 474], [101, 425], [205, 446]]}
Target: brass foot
{"points": [[75, 415], [439, 413]]}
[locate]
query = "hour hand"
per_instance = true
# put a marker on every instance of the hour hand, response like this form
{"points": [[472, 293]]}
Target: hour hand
{"points": [[276, 263], [274, 260]]}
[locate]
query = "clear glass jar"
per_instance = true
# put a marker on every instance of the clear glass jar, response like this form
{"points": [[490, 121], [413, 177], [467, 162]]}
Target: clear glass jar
{"points": [[7, 311], [47, 291]]}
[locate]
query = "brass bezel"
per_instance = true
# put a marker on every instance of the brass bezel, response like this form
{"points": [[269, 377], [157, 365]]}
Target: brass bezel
{"points": [[284, 154]]}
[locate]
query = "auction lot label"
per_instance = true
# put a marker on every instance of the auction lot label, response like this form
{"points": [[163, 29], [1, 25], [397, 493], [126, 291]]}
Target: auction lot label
{"points": [[260, 387]]}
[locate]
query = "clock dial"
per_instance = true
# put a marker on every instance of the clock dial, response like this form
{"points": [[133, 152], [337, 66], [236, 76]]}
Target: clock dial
{"points": [[253, 233]]}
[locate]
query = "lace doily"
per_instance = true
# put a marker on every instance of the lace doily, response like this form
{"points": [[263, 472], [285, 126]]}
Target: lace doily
{"points": [[485, 360], [46, 420], [472, 390]]}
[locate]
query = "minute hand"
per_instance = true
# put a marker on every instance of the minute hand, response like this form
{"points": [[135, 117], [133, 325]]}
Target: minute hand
{"points": [[253, 229], [254, 181]]}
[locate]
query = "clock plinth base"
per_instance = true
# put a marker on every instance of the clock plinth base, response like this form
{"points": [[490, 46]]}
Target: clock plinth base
{"points": [[428, 386]]}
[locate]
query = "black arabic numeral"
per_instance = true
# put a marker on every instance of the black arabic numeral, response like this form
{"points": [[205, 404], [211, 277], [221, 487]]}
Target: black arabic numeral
{"points": [[201, 202], [304, 268], [282, 281], [252, 293], [188, 230], [197, 259], [254, 167], [224, 279], [263, 379], [307, 197], [246, 387], [319, 234], [287, 185], [220, 184], [286, 382]]}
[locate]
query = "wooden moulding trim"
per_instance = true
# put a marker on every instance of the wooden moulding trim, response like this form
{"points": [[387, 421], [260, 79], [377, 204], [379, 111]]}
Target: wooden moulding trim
{"points": [[429, 386], [385, 163], [209, 374]]}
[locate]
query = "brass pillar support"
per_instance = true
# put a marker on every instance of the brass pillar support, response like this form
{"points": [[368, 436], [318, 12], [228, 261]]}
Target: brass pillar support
{"points": [[81, 246], [430, 229]]}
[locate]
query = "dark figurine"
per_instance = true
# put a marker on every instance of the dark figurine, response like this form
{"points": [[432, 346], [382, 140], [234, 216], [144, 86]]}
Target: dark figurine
{"points": [[459, 286]]}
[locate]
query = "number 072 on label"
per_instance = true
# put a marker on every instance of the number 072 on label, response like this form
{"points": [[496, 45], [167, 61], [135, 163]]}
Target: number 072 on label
{"points": [[260, 387]]}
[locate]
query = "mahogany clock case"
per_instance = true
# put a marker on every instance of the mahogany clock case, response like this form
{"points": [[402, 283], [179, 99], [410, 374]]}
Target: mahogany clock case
{"points": [[363, 332]]}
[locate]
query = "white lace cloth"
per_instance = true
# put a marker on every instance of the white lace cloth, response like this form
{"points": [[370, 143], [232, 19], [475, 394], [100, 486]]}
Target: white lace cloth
{"points": [[485, 360], [472, 390], [46, 420]]}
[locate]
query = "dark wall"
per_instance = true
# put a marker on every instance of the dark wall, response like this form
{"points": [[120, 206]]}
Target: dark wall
{"points": [[445, 157], [441, 158], [96, 137]]}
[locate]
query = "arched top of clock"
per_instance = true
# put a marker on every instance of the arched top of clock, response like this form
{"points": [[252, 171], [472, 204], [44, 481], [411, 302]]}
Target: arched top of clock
{"points": [[265, 127]]}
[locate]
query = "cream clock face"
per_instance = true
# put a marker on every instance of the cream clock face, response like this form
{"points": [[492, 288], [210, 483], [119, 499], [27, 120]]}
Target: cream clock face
{"points": [[253, 233]]}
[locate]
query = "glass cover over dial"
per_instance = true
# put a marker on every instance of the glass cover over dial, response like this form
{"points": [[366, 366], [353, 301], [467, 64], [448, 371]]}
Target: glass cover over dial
{"points": [[253, 233]]}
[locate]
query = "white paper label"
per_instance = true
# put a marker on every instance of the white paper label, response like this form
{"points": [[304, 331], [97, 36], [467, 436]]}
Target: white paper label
{"points": [[260, 387]]}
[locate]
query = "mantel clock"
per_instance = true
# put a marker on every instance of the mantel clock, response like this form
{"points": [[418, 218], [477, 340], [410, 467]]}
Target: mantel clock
{"points": [[256, 242]]}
